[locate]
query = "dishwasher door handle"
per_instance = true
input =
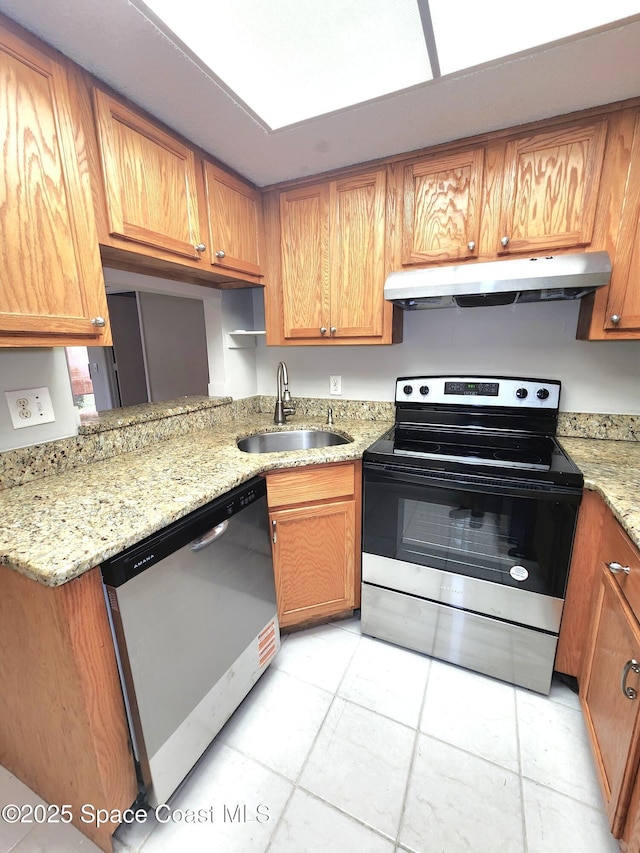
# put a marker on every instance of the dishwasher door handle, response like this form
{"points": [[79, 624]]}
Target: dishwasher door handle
{"points": [[210, 536]]}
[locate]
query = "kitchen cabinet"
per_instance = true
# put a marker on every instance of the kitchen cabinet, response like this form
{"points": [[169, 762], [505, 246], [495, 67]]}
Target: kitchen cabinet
{"points": [[149, 182], [52, 285], [550, 189], [63, 729], [234, 214], [315, 524], [328, 263], [610, 678], [622, 312], [441, 204]]}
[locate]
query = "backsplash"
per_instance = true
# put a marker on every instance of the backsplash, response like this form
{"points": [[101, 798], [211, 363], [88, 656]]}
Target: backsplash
{"points": [[123, 430]]}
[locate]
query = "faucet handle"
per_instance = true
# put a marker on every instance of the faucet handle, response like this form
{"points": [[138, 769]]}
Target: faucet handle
{"points": [[329, 416]]}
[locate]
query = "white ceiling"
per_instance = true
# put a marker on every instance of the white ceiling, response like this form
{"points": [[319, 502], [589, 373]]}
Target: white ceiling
{"points": [[116, 43]]}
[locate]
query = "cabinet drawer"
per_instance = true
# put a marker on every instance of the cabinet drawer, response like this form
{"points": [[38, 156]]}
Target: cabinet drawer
{"points": [[301, 485], [616, 547]]}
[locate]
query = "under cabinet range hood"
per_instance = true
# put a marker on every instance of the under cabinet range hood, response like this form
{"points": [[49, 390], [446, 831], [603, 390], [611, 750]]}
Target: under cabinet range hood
{"points": [[515, 280]]}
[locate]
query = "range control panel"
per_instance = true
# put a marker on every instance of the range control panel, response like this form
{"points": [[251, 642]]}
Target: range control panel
{"points": [[479, 391]]}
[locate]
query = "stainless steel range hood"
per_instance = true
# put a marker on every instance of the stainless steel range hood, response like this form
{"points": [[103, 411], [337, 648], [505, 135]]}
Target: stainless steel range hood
{"points": [[515, 280]]}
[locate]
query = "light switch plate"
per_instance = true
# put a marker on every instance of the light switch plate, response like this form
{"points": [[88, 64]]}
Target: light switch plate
{"points": [[30, 407]]}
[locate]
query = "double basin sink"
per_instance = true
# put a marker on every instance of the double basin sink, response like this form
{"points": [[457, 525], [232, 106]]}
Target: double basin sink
{"points": [[289, 440]]}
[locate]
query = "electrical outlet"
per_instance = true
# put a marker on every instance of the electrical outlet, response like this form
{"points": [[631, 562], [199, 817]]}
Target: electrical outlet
{"points": [[335, 385], [30, 407]]}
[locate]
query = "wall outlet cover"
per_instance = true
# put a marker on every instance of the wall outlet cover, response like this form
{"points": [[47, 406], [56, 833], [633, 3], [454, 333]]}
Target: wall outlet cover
{"points": [[335, 385], [30, 407]]}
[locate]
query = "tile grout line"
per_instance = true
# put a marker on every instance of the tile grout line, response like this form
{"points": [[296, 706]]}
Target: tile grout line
{"points": [[523, 812]]}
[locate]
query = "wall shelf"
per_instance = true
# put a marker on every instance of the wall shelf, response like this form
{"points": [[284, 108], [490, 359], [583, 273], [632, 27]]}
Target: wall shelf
{"points": [[243, 338]]}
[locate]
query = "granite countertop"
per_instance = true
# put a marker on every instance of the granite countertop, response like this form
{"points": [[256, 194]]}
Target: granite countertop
{"points": [[611, 468], [57, 527]]}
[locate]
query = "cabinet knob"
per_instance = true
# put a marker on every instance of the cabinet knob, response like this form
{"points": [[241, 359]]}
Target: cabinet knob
{"points": [[200, 247], [504, 241], [630, 666], [616, 568], [333, 330], [99, 322], [323, 330], [220, 254], [471, 245], [615, 319]]}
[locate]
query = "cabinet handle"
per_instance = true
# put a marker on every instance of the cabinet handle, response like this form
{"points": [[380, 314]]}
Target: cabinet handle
{"points": [[616, 568], [333, 330], [220, 254], [99, 322], [505, 241], [615, 319], [471, 245], [200, 247], [630, 666], [274, 535], [323, 330]]}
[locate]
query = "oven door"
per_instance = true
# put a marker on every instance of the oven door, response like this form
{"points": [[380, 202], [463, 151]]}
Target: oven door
{"points": [[487, 545]]}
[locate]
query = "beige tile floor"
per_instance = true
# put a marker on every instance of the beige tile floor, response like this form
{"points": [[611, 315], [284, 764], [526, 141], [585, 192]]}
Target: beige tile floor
{"points": [[348, 743]]}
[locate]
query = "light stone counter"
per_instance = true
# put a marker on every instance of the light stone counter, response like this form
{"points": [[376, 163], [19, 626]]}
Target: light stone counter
{"points": [[54, 528], [611, 468]]}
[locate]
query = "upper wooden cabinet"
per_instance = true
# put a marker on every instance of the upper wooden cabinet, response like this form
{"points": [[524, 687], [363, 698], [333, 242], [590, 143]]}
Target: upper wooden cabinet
{"points": [[623, 304], [441, 200], [550, 189], [164, 209], [149, 181], [51, 283], [328, 251], [234, 214]]}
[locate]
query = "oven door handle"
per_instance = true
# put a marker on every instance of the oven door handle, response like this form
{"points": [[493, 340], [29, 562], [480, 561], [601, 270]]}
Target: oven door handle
{"points": [[469, 483]]}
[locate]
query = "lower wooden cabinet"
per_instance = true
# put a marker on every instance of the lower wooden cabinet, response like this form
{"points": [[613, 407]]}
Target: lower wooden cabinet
{"points": [[610, 680], [315, 525]]}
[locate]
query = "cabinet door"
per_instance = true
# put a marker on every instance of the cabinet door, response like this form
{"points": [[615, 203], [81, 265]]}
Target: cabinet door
{"points": [[149, 181], [234, 214], [623, 305], [611, 714], [314, 560], [356, 248], [304, 227], [441, 207], [51, 284], [550, 191]]}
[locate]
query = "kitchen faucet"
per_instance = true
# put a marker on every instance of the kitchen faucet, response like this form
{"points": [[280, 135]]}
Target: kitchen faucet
{"points": [[284, 404]]}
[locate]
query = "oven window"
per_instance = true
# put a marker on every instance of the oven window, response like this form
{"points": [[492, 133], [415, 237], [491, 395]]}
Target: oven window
{"points": [[523, 542]]}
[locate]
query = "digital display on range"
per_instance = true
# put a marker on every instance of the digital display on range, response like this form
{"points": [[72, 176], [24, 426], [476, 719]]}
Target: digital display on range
{"points": [[472, 389]]}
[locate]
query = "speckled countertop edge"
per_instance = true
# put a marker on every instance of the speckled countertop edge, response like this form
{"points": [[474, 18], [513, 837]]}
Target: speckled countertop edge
{"points": [[611, 468], [55, 528]]}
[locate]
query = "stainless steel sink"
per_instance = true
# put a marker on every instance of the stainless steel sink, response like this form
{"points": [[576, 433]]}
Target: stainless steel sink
{"points": [[293, 439]]}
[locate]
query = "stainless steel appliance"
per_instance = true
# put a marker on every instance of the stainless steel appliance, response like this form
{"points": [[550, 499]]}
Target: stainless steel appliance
{"points": [[193, 611], [512, 280], [469, 514]]}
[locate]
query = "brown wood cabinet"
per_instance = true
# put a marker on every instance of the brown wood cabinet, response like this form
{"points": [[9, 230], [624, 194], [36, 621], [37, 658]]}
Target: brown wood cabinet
{"points": [[327, 262], [234, 212], [52, 290], [441, 203], [149, 181], [63, 729], [315, 523], [550, 189], [610, 676]]}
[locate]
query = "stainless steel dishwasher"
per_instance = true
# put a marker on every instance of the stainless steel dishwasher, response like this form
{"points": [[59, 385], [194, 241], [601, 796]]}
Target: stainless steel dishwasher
{"points": [[193, 613]]}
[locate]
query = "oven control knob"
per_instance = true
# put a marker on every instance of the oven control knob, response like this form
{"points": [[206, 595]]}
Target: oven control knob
{"points": [[408, 389], [542, 394], [522, 393], [424, 390]]}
